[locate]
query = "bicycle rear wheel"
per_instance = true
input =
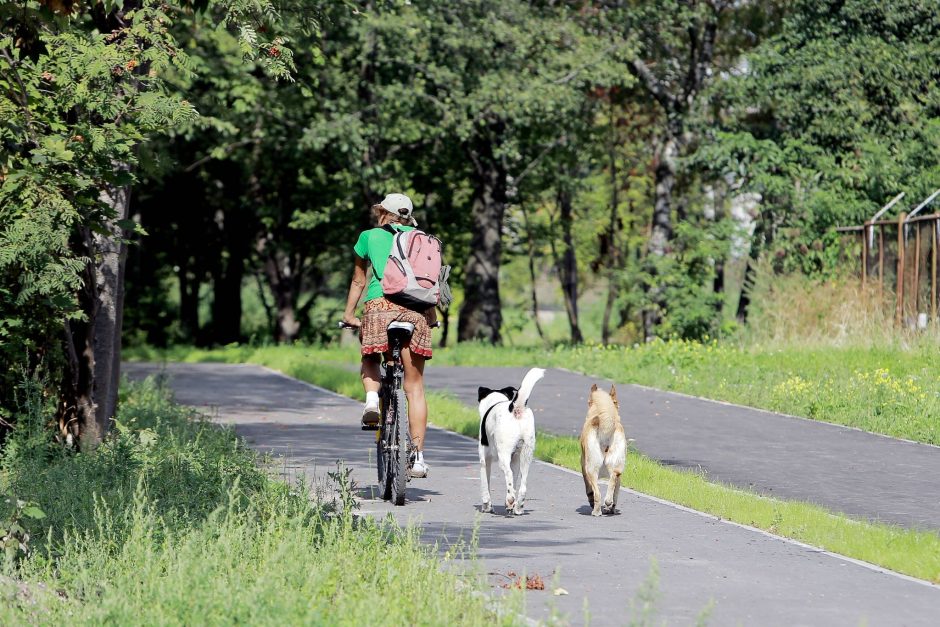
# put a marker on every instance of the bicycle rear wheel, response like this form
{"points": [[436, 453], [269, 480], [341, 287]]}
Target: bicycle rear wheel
{"points": [[400, 449]]}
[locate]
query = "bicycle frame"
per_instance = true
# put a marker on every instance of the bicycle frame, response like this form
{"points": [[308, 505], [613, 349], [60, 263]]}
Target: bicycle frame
{"points": [[394, 450], [393, 441]]}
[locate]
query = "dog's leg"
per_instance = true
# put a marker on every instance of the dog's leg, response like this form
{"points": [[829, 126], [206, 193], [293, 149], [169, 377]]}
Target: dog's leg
{"points": [[614, 460], [591, 459], [485, 465], [584, 475], [522, 474], [592, 473], [504, 464]]}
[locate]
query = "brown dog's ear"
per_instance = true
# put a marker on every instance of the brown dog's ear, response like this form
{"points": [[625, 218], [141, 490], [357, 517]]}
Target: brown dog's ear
{"points": [[613, 396], [591, 395]]}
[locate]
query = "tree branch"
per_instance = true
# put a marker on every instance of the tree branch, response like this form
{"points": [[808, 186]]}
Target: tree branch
{"points": [[653, 85], [228, 149]]}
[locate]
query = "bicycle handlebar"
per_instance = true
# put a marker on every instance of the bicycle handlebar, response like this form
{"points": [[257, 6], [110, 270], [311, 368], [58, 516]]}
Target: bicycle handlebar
{"points": [[343, 325]]}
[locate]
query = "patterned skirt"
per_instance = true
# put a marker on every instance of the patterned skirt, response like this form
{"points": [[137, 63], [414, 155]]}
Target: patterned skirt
{"points": [[379, 313]]}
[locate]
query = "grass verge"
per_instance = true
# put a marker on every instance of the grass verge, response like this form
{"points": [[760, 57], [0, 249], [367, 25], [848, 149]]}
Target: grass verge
{"points": [[171, 521], [893, 390], [915, 553]]}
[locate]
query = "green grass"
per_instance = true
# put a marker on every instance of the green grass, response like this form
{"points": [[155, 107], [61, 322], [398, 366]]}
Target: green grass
{"points": [[914, 553], [173, 522], [893, 390]]}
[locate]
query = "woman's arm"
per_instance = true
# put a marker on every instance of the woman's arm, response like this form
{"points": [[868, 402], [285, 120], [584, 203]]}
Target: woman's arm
{"points": [[356, 287]]}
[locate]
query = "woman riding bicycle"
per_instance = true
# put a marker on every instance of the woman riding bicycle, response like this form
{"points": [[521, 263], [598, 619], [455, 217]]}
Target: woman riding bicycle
{"points": [[373, 247]]}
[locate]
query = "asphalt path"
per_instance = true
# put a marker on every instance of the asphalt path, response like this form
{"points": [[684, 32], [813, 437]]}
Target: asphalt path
{"points": [[861, 474], [736, 574]]}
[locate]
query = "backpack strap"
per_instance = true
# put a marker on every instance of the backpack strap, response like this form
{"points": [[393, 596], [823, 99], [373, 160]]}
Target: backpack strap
{"points": [[394, 232]]}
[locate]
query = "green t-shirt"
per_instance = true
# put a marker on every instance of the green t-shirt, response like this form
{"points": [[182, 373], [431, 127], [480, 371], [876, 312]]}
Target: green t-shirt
{"points": [[374, 246]]}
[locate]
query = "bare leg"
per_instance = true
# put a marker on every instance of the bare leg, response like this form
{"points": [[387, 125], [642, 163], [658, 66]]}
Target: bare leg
{"points": [[371, 381], [414, 390]]}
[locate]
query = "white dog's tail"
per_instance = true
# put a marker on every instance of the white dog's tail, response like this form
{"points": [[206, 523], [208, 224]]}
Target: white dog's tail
{"points": [[531, 378]]}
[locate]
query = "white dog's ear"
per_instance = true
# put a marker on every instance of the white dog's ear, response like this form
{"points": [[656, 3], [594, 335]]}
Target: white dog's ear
{"points": [[591, 395], [613, 396]]}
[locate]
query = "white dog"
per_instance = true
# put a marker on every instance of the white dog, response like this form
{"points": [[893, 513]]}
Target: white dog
{"points": [[507, 433]]}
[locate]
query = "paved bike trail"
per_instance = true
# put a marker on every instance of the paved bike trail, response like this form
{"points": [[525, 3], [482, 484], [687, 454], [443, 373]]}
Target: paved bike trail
{"points": [[745, 576], [846, 470]]}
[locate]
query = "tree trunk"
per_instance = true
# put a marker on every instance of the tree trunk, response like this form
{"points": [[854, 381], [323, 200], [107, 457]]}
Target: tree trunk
{"points": [[227, 281], [227, 301], [444, 317], [567, 265], [759, 241], [481, 314], [613, 230], [661, 232], [365, 92], [282, 275], [109, 275], [76, 415], [532, 276], [189, 300]]}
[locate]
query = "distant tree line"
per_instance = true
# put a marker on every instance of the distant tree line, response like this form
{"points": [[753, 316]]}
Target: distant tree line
{"points": [[637, 146]]}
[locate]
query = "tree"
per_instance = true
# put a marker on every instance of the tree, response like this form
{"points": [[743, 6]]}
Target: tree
{"points": [[833, 116], [80, 88], [681, 45], [497, 81]]}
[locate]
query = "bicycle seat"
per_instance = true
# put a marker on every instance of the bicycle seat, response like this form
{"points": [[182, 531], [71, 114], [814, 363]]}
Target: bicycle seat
{"points": [[400, 332]]}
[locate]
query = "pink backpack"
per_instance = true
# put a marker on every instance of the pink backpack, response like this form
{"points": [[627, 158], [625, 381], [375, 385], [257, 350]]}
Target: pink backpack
{"points": [[414, 273]]}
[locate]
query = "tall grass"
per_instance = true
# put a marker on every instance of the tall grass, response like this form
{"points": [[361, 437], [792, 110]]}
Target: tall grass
{"points": [[796, 311], [172, 522]]}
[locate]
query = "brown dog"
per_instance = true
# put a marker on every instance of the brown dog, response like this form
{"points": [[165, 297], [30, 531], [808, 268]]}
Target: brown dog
{"points": [[603, 448]]}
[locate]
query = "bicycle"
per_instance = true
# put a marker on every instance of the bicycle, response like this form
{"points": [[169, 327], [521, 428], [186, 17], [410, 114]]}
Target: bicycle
{"points": [[395, 453]]}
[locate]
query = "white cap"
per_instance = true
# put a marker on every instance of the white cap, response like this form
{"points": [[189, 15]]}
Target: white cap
{"points": [[399, 205]]}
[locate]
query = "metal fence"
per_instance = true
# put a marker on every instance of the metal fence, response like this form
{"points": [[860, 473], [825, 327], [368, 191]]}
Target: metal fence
{"points": [[899, 259]]}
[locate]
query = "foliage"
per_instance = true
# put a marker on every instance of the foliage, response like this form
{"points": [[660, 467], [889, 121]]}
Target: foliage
{"points": [[82, 85], [14, 538], [160, 522], [831, 118]]}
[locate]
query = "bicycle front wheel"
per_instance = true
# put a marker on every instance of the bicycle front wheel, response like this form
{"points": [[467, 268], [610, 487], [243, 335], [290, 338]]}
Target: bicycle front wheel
{"points": [[383, 440], [400, 449]]}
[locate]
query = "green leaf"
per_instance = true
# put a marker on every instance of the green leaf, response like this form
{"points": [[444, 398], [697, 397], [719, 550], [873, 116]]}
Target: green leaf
{"points": [[33, 512]]}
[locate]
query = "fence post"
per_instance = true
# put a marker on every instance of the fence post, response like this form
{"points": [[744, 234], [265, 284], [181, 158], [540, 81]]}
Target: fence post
{"points": [[881, 265], [899, 310], [865, 255], [916, 284], [933, 274]]}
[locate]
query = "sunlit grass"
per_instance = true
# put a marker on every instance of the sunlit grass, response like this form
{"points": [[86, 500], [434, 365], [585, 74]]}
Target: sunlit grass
{"points": [[892, 390], [172, 522]]}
